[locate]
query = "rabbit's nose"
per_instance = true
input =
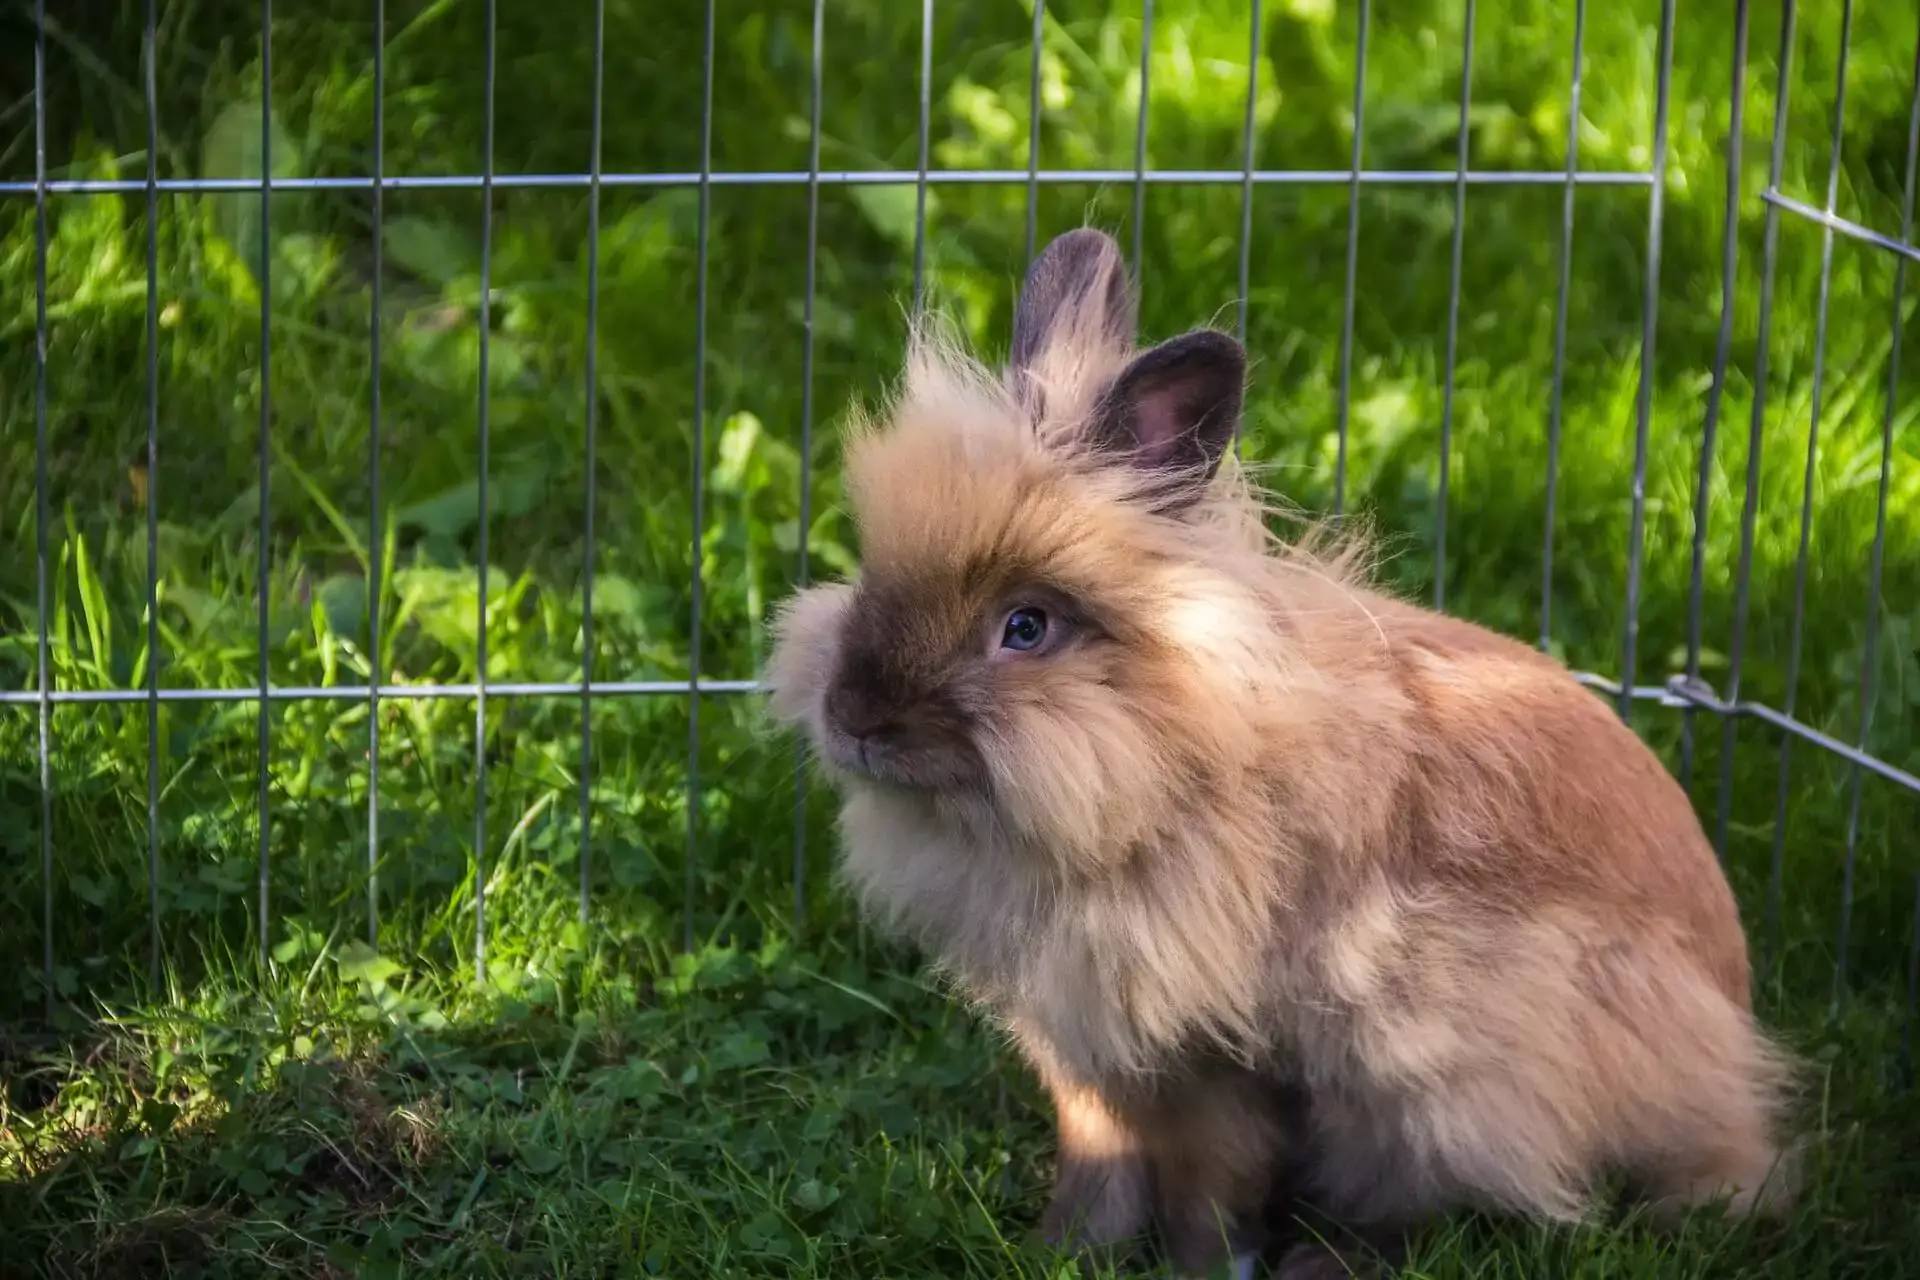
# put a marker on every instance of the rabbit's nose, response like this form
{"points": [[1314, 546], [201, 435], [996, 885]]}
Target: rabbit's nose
{"points": [[855, 714]]}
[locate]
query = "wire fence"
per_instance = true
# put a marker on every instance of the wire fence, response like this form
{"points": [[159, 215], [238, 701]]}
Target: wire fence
{"points": [[1686, 690]]}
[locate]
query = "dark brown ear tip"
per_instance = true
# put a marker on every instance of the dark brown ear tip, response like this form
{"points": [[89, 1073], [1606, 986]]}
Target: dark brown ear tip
{"points": [[1082, 242], [1211, 344], [1198, 349], [1077, 259]]}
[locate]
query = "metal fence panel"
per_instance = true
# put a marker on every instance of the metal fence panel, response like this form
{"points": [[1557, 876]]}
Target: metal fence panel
{"points": [[1685, 691]]}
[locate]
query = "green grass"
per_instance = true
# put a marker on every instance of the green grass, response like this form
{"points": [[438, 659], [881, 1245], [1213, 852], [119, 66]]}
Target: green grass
{"points": [[740, 1114], [796, 1101]]}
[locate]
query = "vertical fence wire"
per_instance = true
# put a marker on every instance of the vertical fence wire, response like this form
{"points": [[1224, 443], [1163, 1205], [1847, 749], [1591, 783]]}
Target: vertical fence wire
{"points": [[1817, 391], [1643, 407], [698, 603], [1913, 985], [1716, 390], [588, 653], [376, 533], [1876, 559], [149, 55], [1250, 146], [1140, 138], [925, 138], [1750, 501], [1453, 313], [264, 799], [1033, 130], [486, 515], [1556, 400], [1358, 154], [805, 565], [40, 502]]}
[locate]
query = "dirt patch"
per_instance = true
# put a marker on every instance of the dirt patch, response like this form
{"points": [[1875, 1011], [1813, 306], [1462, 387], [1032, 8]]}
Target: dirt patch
{"points": [[160, 1243], [371, 1141]]}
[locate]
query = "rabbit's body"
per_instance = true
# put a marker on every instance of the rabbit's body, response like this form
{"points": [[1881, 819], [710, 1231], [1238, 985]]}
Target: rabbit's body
{"points": [[1283, 887]]}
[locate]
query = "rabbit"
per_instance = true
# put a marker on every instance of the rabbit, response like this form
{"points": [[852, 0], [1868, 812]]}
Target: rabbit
{"points": [[1290, 893]]}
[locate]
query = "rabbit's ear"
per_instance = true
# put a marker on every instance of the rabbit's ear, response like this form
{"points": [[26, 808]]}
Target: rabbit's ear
{"points": [[1077, 303], [1173, 411]]}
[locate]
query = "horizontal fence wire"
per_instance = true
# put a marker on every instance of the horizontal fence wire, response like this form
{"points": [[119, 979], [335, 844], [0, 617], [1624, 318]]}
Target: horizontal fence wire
{"points": [[1678, 693], [350, 692], [1685, 691], [841, 178]]}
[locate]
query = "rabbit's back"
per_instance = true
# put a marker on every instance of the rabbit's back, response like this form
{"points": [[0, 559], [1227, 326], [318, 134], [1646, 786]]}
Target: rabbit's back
{"points": [[1535, 975], [1524, 791]]}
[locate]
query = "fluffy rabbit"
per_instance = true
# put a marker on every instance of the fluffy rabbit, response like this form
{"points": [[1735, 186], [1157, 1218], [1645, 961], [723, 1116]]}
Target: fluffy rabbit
{"points": [[1290, 893]]}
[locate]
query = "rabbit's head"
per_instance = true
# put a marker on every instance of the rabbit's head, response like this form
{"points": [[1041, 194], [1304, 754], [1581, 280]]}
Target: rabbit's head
{"points": [[1059, 617]]}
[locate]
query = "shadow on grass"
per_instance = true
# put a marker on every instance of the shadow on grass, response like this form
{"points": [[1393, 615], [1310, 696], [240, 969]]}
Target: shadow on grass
{"points": [[762, 1114], [748, 1115]]}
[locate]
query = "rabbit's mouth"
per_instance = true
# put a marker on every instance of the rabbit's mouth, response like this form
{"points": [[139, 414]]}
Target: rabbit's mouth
{"points": [[915, 762]]}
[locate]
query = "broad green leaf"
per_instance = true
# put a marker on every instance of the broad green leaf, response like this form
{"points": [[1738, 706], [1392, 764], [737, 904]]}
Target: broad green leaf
{"points": [[232, 149], [737, 440], [435, 251], [343, 598], [359, 962], [893, 211]]}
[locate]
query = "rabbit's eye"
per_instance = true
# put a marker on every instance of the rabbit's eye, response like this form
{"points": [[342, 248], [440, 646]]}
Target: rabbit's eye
{"points": [[1025, 629]]}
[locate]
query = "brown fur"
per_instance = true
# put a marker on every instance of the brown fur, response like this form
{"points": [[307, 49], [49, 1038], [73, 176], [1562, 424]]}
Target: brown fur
{"points": [[1283, 886]]}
